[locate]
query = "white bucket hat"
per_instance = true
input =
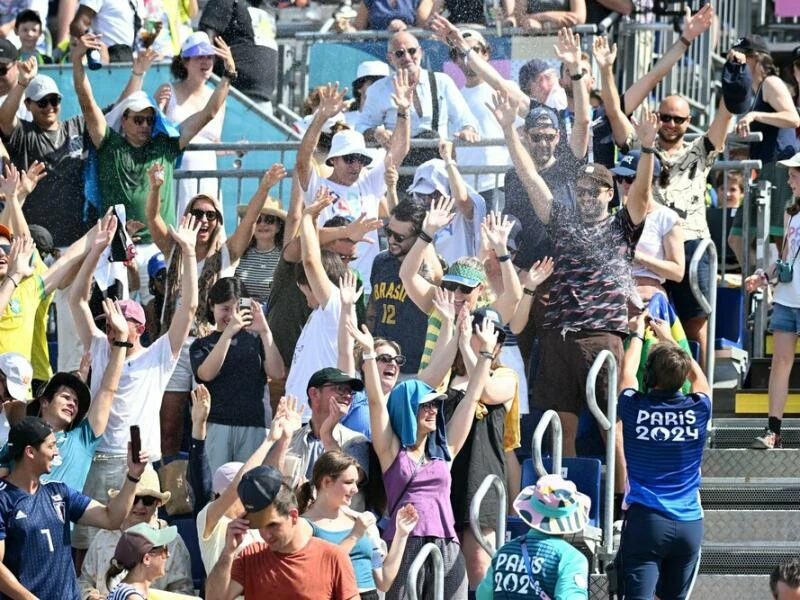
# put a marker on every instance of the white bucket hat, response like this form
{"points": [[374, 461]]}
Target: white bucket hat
{"points": [[348, 142]]}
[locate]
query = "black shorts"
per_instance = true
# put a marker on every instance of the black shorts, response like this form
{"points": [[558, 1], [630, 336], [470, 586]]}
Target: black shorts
{"points": [[564, 364]]}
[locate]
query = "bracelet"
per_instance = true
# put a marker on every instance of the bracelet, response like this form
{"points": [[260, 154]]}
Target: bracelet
{"points": [[648, 150], [369, 356], [133, 479], [425, 237], [402, 115], [22, 85], [504, 258], [119, 344], [486, 354], [685, 42], [638, 336], [529, 292], [135, 74], [231, 76], [577, 77]]}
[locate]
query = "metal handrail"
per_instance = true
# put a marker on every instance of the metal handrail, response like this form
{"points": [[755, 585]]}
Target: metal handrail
{"points": [[550, 417], [709, 305], [438, 572], [491, 481], [607, 422]]}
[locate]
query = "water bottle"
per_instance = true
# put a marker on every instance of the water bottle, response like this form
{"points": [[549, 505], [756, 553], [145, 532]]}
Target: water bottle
{"points": [[93, 59], [378, 547]]}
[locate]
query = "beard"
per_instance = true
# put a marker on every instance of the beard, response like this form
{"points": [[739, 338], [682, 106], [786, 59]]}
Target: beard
{"points": [[669, 137]]}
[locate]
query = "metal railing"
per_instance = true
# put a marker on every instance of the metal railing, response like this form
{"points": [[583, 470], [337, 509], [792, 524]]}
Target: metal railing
{"points": [[607, 423], [764, 198], [550, 417], [709, 306], [438, 572], [491, 481]]}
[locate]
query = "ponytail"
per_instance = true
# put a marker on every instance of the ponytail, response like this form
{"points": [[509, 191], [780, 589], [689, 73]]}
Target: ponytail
{"points": [[113, 572], [306, 494]]}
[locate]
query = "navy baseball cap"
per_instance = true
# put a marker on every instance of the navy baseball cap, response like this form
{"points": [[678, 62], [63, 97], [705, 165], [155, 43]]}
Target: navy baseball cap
{"points": [[334, 375], [541, 116], [630, 162], [257, 490]]}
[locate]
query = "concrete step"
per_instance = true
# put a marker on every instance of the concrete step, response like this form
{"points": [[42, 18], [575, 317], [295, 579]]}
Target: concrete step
{"points": [[751, 465], [746, 557], [706, 587], [731, 493], [731, 526], [739, 432]]}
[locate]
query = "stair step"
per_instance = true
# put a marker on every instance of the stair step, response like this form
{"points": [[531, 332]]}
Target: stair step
{"points": [[751, 465], [706, 587], [720, 493], [756, 402], [741, 431], [769, 345], [730, 526], [746, 557]]}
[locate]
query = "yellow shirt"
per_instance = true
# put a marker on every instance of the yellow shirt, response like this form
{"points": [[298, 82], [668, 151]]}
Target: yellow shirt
{"points": [[19, 317]]}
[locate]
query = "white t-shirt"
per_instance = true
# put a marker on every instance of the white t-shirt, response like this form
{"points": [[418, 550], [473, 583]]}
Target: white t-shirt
{"points": [[788, 294], [462, 237], [656, 227], [316, 348], [113, 20], [5, 428], [138, 399], [475, 156], [211, 546], [363, 196]]}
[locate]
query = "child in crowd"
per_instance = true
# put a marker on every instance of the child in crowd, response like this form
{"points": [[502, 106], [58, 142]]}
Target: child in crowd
{"points": [[28, 28]]}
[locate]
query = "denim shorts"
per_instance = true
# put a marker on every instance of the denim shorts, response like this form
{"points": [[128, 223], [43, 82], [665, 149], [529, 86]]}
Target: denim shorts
{"points": [[784, 319]]}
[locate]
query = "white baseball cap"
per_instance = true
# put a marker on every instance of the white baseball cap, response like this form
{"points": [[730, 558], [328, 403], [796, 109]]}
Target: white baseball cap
{"points": [[19, 374], [41, 86], [791, 162]]}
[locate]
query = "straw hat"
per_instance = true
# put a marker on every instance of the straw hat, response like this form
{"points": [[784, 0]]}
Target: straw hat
{"points": [[148, 486], [271, 207]]}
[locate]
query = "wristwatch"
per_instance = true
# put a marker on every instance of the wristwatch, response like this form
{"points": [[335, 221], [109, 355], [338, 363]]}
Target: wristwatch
{"points": [[121, 344], [231, 76]]}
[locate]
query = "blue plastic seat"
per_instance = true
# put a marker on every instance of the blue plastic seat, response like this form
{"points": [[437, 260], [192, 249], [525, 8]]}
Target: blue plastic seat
{"points": [[730, 318], [187, 529]]}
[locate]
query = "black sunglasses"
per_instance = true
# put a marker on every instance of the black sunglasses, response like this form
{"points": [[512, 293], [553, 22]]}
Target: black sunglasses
{"points": [[138, 120], [3, 70], [352, 158], [268, 219], [210, 215], [452, 286], [397, 237], [624, 178], [401, 51], [53, 100], [589, 191], [146, 500], [539, 137], [6, 248], [347, 257], [675, 119], [399, 360]]}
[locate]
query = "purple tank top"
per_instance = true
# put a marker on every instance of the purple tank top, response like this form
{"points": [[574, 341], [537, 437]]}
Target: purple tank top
{"points": [[429, 492]]}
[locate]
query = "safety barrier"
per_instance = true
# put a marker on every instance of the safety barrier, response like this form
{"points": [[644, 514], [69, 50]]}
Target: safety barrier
{"points": [[607, 423], [761, 317], [709, 306], [550, 417], [438, 572], [491, 481]]}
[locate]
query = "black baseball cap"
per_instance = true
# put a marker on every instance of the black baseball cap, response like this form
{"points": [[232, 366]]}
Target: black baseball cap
{"points": [[28, 431], [67, 380], [8, 52], [486, 312], [257, 490], [531, 70], [334, 375], [42, 238], [750, 44], [541, 116]]}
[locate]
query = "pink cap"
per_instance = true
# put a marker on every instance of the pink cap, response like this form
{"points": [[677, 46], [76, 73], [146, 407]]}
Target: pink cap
{"points": [[132, 310]]}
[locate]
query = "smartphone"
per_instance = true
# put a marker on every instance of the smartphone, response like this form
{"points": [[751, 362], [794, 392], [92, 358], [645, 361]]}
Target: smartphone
{"points": [[245, 304], [136, 443]]}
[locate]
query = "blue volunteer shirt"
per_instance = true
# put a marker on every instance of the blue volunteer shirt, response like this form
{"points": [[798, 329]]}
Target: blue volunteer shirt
{"points": [[36, 532], [664, 434], [557, 570]]}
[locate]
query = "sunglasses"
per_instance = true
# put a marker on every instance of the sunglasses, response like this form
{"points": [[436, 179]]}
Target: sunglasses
{"points": [[454, 54], [355, 158], [342, 389], [400, 52], [159, 550], [6, 248], [146, 500], [347, 257], [4, 70], [268, 219], [210, 215], [542, 137], [139, 121], [397, 237], [399, 360], [431, 406], [624, 179], [53, 100], [592, 192], [452, 286], [673, 118]]}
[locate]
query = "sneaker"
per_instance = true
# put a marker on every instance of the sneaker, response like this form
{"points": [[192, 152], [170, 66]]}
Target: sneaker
{"points": [[769, 441]]}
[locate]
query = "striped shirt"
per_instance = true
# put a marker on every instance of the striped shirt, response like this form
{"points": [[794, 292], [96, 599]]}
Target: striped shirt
{"points": [[256, 268]]}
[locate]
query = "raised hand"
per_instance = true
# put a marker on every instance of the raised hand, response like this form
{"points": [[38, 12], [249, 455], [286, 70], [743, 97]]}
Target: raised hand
{"points": [[336, 412], [468, 134], [504, 108], [406, 519], [223, 51], [444, 302], [323, 198], [163, 95], [259, 321], [28, 180], [331, 101], [446, 150], [487, 335], [273, 175], [201, 404], [106, 228], [116, 320], [88, 41], [538, 273], [447, 33], [661, 329], [358, 229], [362, 336], [497, 227], [236, 323], [137, 468], [144, 60], [347, 289], [604, 55], [10, 182], [156, 176], [440, 215], [403, 94], [694, 25], [84, 366], [27, 70], [568, 50], [19, 258], [186, 234], [292, 414], [234, 535], [464, 324], [132, 227], [647, 127], [364, 521]]}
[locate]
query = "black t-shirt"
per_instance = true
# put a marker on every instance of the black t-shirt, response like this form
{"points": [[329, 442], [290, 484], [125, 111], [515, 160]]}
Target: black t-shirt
{"points": [[256, 65], [238, 388], [397, 318], [288, 310], [595, 12], [57, 202], [536, 242]]}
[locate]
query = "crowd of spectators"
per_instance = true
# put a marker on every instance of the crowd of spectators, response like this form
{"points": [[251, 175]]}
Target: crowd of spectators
{"points": [[342, 374]]}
